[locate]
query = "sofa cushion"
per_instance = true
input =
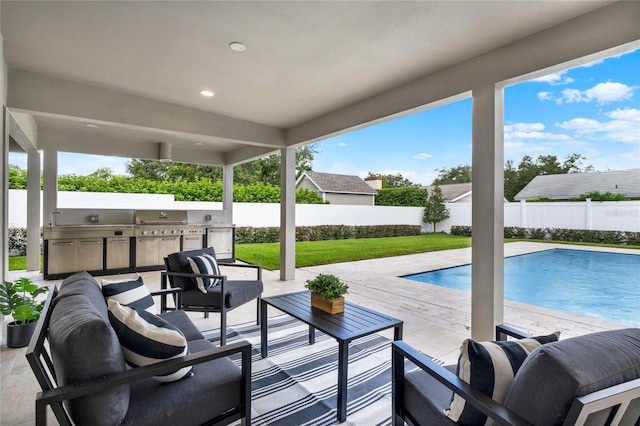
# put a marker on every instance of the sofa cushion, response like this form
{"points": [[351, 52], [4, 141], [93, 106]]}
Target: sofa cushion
{"points": [[490, 367], [238, 292], [84, 346], [180, 319], [83, 284], [425, 398], [205, 264], [178, 262], [214, 389], [147, 339], [129, 291], [555, 374]]}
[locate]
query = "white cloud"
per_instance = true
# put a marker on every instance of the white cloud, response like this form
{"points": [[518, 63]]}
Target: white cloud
{"points": [[545, 96], [554, 79], [422, 156], [602, 93], [527, 131], [342, 144], [624, 126]]}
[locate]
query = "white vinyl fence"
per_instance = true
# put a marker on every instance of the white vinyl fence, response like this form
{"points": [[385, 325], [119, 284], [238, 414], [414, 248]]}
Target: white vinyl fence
{"points": [[609, 215]]}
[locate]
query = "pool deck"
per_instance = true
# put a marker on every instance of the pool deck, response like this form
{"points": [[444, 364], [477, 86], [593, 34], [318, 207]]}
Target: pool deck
{"points": [[436, 319]]}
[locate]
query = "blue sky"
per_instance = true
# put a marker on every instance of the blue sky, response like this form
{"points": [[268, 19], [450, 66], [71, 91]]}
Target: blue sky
{"points": [[593, 110]]}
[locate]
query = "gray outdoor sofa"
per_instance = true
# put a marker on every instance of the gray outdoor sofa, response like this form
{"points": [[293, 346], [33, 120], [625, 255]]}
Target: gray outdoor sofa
{"points": [[78, 361], [588, 380]]}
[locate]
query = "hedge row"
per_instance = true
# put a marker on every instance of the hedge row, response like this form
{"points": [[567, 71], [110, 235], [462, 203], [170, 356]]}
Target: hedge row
{"points": [[560, 234], [250, 235]]}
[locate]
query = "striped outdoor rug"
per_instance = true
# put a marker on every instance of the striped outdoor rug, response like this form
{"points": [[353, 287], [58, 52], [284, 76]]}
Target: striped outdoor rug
{"points": [[297, 383]]}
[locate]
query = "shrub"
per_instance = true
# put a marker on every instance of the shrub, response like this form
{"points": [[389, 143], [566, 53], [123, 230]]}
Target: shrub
{"points": [[409, 196], [17, 242], [250, 235], [463, 231]]}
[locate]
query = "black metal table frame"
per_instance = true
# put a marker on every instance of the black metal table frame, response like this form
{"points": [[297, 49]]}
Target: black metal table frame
{"points": [[330, 324]]}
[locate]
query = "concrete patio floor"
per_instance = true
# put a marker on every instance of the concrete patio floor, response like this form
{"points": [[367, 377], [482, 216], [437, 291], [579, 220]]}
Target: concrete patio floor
{"points": [[436, 319]]}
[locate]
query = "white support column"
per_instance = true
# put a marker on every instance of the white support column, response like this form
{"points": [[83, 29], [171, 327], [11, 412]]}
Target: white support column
{"points": [[4, 198], [50, 185], [287, 214], [227, 193], [33, 210], [487, 268]]}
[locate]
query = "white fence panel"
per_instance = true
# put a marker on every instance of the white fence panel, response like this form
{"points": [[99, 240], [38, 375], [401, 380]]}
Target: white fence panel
{"points": [[620, 215]]}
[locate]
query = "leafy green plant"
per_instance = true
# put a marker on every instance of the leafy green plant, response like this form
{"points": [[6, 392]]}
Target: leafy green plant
{"points": [[328, 286], [18, 299]]}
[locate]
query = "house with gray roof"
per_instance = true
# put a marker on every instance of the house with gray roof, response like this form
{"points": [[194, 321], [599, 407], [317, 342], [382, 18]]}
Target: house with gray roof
{"points": [[338, 189], [573, 185], [454, 192]]}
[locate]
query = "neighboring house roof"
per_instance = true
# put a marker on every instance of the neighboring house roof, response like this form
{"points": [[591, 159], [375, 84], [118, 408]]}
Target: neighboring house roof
{"points": [[452, 192], [329, 182], [572, 185]]}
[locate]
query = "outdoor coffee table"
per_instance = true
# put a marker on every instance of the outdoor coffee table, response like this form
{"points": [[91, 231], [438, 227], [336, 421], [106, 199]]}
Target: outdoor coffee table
{"points": [[356, 321]]}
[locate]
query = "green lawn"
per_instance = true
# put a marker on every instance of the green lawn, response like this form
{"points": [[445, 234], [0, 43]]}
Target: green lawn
{"points": [[310, 253]]}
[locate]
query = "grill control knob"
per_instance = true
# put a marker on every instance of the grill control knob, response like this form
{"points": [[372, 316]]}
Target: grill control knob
{"points": [[153, 232], [164, 231], [144, 232], [173, 231]]}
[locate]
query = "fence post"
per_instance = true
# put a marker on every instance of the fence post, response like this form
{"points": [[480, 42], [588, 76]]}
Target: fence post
{"points": [[588, 214], [523, 213]]}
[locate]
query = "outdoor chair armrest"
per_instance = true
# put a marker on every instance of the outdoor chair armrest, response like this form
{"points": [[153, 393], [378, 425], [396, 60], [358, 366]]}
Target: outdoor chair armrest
{"points": [[163, 284], [503, 331], [489, 407], [258, 268], [163, 297], [67, 392]]}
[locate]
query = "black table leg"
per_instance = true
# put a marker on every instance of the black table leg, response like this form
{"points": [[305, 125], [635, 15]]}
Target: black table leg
{"points": [[343, 363], [263, 329], [312, 335], [397, 332]]}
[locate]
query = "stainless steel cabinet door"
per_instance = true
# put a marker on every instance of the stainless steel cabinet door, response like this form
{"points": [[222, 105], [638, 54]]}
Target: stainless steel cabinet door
{"points": [[146, 251], [90, 254], [118, 253], [61, 256], [166, 246], [221, 239]]}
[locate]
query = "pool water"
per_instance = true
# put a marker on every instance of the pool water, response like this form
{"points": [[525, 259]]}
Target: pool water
{"points": [[597, 284]]}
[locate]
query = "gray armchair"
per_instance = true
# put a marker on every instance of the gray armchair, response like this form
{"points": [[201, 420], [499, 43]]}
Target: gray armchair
{"points": [[588, 380], [221, 298]]}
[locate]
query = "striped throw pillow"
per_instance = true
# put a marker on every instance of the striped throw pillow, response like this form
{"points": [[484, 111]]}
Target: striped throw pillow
{"points": [[130, 292], [490, 367], [205, 264], [147, 339]]}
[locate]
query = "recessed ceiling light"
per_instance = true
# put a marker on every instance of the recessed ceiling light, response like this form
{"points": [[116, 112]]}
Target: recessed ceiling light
{"points": [[199, 143], [207, 93], [93, 126], [237, 46]]}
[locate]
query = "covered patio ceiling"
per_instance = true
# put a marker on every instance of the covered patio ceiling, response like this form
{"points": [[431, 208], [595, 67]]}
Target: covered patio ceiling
{"points": [[308, 71]]}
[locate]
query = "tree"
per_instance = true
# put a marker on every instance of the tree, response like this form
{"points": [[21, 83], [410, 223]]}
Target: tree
{"points": [[17, 177], [458, 174], [435, 211], [393, 181], [267, 169], [173, 172]]}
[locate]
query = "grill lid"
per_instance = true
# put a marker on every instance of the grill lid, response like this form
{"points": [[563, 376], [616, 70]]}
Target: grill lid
{"points": [[161, 217]]}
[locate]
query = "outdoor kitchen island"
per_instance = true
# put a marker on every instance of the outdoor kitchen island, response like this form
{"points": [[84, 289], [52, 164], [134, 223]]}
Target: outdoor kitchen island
{"points": [[137, 246]]}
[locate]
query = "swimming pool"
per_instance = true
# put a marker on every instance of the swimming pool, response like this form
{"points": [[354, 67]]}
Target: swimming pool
{"points": [[599, 284]]}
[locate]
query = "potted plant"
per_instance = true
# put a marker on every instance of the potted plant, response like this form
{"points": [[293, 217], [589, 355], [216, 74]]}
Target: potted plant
{"points": [[327, 293], [18, 299]]}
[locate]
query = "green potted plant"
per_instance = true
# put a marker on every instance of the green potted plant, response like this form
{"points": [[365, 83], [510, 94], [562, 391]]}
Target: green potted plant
{"points": [[327, 293], [18, 299]]}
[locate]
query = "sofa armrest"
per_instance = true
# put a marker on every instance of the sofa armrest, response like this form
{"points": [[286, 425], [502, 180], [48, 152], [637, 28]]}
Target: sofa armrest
{"points": [[489, 407], [67, 392]]}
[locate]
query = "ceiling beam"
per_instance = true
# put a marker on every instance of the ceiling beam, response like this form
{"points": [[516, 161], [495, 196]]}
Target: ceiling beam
{"points": [[39, 93]]}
